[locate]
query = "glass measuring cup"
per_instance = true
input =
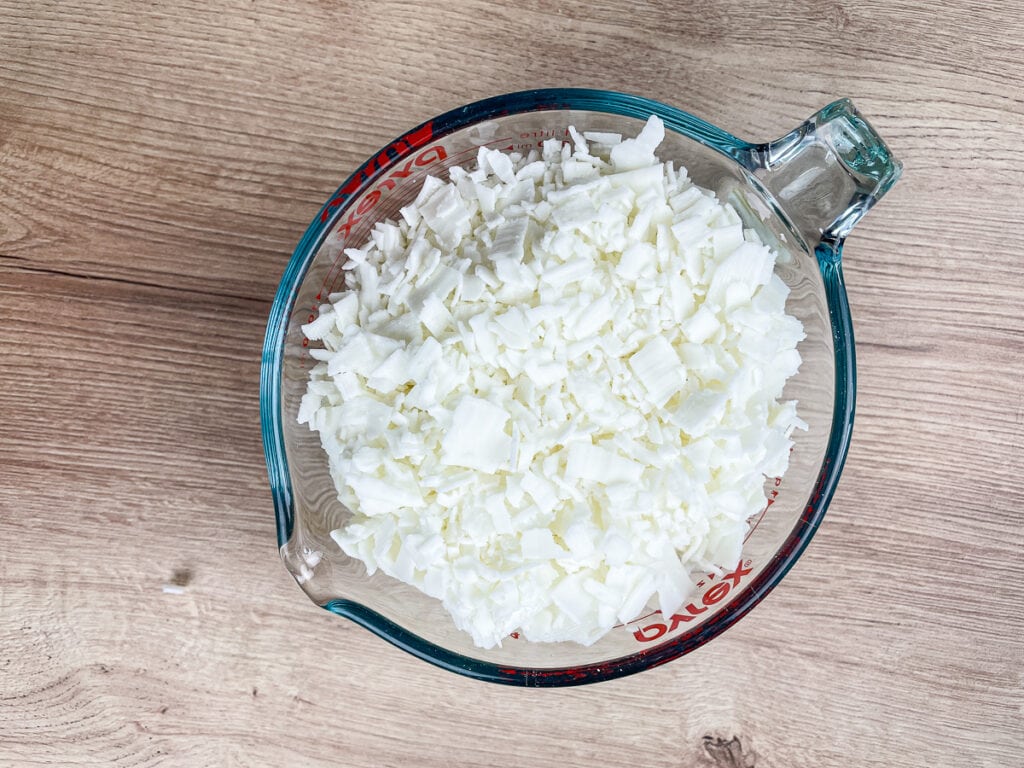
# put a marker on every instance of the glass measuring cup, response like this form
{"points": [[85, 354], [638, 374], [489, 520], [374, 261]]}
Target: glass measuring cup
{"points": [[802, 193]]}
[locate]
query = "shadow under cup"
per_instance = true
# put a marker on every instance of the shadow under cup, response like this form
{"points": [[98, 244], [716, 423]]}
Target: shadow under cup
{"points": [[306, 500]]}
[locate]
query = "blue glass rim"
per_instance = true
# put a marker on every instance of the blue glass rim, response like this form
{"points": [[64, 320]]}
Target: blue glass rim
{"points": [[829, 261]]}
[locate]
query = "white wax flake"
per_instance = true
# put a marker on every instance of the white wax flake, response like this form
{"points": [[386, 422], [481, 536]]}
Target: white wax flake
{"points": [[509, 240], [657, 367], [550, 393], [476, 438], [639, 152], [603, 137], [317, 329], [390, 374], [600, 465], [539, 544], [381, 497]]}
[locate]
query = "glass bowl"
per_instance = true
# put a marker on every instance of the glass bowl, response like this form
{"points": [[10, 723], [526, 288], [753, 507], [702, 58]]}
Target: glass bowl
{"points": [[802, 194]]}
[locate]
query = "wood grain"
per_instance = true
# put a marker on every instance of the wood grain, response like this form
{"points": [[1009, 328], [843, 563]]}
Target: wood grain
{"points": [[159, 161]]}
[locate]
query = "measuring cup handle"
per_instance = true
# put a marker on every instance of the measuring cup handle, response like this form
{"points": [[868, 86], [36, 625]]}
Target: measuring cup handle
{"points": [[827, 173]]}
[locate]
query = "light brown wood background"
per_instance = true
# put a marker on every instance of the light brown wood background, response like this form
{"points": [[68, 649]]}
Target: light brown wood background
{"points": [[159, 161]]}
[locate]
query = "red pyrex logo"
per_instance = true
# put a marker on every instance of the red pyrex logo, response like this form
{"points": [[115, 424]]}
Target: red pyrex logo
{"points": [[711, 596], [389, 154]]}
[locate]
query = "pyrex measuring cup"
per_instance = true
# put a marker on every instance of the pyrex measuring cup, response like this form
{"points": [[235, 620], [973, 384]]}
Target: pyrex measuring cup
{"points": [[802, 194]]}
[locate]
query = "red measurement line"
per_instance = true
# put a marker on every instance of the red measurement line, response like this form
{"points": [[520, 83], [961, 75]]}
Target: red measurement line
{"points": [[778, 484]]}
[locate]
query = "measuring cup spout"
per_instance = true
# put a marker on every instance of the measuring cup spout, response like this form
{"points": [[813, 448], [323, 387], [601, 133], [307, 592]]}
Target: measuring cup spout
{"points": [[827, 173]]}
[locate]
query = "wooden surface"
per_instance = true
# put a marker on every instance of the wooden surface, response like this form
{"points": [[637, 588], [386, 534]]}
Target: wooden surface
{"points": [[158, 163]]}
